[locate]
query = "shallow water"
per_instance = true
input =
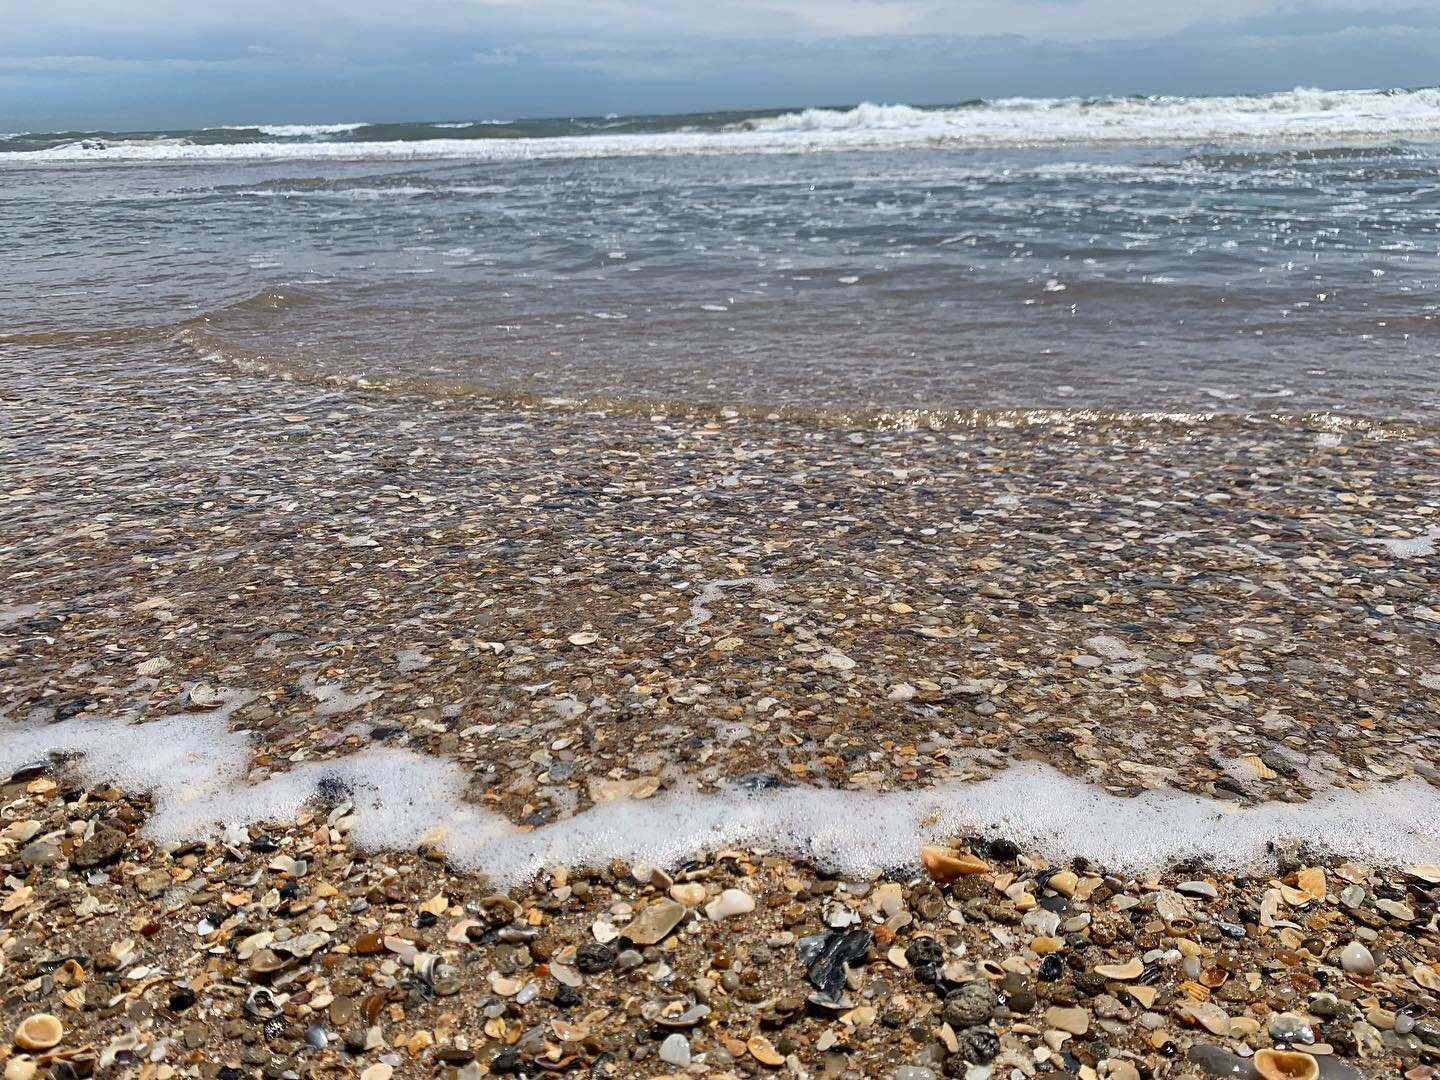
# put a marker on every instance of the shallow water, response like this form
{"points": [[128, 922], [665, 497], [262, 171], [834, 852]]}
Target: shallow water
{"points": [[1284, 274]]}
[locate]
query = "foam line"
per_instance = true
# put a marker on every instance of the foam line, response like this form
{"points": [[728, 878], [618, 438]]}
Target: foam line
{"points": [[1303, 116], [198, 773]]}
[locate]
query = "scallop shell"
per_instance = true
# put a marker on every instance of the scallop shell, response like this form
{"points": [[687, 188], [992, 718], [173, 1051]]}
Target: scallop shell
{"points": [[39, 1032]]}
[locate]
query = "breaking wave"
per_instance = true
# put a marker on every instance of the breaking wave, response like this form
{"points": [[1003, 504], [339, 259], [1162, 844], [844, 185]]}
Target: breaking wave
{"points": [[1303, 117]]}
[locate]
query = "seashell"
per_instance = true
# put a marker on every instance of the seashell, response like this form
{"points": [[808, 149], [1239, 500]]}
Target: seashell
{"points": [[989, 969], [1286, 1065], [1311, 880], [569, 1033], [206, 696], [458, 934], [676, 1013], [1065, 883], [17, 899], [1195, 991], [1214, 977], [584, 637], [152, 667], [945, 864], [266, 962], [443, 979], [1426, 977], [1123, 972], [74, 998], [505, 987], [1427, 872], [261, 1004], [1144, 995], [124, 1045], [764, 1052], [70, 973], [1295, 897], [39, 1032], [21, 1068]]}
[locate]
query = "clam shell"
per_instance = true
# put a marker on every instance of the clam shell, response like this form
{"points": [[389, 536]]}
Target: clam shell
{"points": [[1286, 1065], [39, 1032]]}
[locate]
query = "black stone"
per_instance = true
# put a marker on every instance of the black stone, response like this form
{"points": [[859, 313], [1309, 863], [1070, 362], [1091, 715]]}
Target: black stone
{"points": [[826, 955], [506, 1062], [594, 957]]}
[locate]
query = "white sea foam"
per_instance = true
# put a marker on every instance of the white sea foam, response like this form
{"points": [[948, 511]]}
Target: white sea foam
{"points": [[199, 773], [294, 131], [1301, 117], [1413, 547]]}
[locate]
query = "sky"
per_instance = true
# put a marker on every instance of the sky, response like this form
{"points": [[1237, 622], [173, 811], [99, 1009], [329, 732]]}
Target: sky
{"points": [[156, 64]]}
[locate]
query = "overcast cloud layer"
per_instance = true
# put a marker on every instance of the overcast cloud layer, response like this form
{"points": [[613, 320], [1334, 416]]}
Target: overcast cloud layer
{"points": [[168, 63]]}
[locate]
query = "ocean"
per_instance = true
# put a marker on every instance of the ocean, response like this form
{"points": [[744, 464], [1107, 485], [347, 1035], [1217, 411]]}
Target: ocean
{"points": [[873, 591], [1265, 255]]}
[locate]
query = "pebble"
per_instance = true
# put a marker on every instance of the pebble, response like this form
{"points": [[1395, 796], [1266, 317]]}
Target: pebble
{"points": [[1209, 1016], [970, 1005], [691, 894], [1357, 959], [1217, 1061], [729, 903], [103, 846], [655, 922], [41, 853], [1289, 1027], [675, 1050]]}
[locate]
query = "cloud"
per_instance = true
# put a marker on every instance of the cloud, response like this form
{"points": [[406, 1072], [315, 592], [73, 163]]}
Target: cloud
{"points": [[111, 65], [174, 60], [496, 56]]}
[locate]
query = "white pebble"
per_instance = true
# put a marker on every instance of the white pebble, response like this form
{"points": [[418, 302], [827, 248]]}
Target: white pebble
{"points": [[728, 903]]}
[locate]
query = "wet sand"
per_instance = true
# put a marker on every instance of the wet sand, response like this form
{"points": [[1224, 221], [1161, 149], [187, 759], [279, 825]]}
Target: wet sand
{"points": [[1246, 611]]}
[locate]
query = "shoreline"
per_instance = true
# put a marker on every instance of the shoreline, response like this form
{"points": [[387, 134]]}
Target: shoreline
{"points": [[540, 600], [287, 952]]}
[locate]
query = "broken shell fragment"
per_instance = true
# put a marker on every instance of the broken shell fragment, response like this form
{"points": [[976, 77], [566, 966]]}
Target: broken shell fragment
{"points": [[946, 864], [1122, 972]]}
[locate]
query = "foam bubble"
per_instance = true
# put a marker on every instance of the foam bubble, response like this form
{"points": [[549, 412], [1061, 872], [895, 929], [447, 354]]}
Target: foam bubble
{"points": [[198, 772], [1413, 547], [700, 612]]}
